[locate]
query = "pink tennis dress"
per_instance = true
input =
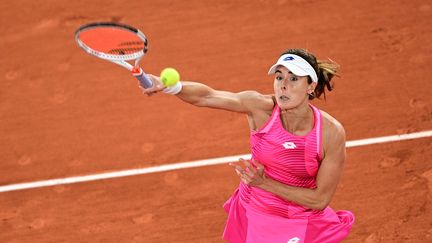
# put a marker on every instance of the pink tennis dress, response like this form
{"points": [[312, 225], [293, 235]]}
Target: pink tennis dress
{"points": [[258, 216]]}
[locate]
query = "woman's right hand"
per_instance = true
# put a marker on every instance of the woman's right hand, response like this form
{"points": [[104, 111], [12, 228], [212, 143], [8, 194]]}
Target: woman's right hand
{"points": [[157, 85]]}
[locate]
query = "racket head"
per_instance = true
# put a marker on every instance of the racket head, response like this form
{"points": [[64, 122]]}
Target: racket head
{"points": [[112, 41]]}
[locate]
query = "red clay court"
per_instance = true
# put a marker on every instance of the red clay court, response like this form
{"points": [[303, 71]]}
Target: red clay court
{"points": [[65, 113]]}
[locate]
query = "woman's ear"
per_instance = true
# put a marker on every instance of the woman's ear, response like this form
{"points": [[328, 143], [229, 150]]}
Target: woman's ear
{"points": [[312, 87]]}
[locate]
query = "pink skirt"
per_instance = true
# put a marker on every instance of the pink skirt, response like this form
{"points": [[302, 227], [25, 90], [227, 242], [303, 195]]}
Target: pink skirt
{"points": [[247, 225]]}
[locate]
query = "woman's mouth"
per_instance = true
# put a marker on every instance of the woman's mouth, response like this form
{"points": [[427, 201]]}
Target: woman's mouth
{"points": [[283, 98]]}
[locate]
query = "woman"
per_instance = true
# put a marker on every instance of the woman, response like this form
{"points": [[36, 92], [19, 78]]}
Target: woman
{"points": [[298, 153]]}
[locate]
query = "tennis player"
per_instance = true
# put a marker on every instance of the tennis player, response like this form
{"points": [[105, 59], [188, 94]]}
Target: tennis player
{"points": [[298, 154]]}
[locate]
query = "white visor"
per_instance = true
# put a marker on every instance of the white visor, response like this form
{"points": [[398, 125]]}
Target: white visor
{"points": [[296, 65]]}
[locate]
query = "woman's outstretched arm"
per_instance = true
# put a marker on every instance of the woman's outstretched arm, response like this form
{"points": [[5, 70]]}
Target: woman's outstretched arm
{"points": [[201, 95]]}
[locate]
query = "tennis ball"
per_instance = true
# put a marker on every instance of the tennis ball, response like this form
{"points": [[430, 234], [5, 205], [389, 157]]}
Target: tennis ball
{"points": [[169, 77]]}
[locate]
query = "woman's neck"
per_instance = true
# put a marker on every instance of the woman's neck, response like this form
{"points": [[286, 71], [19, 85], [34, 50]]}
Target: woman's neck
{"points": [[298, 121]]}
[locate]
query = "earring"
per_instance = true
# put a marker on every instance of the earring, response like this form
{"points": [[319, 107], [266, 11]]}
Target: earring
{"points": [[311, 94]]}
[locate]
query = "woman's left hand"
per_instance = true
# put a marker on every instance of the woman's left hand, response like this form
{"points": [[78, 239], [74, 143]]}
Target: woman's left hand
{"points": [[252, 174]]}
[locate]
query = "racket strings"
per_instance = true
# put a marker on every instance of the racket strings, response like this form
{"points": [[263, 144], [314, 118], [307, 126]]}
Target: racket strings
{"points": [[124, 51], [131, 43]]}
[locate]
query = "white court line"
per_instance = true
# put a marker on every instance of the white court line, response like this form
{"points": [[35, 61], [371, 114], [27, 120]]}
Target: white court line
{"points": [[190, 164]]}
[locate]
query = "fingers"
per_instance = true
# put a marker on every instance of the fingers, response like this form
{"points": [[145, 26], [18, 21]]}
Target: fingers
{"points": [[152, 90], [157, 86], [258, 165], [239, 170], [249, 167], [249, 171], [246, 179], [244, 176]]}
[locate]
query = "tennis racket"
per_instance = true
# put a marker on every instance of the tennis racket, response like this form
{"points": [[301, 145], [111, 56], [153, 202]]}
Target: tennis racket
{"points": [[117, 43]]}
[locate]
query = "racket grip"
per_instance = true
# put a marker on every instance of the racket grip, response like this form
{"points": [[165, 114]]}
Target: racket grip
{"points": [[139, 74]]}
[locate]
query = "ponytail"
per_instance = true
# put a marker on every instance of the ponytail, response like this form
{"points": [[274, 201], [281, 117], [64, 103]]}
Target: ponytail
{"points": [[326, 71]]}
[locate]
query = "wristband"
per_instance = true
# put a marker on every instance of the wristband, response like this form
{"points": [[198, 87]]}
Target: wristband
{"points": [[174, 89]]}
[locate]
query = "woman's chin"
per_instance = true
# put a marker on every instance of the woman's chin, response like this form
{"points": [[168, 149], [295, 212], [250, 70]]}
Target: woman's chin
{"points": [[286, 105]]}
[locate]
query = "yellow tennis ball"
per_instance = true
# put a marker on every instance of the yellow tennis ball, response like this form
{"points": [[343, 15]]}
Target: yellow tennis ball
{"points": [[169, 77]]}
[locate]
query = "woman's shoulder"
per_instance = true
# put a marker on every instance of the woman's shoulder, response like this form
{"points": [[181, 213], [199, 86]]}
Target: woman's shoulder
{"points": [[331, 126], [255, 100]]}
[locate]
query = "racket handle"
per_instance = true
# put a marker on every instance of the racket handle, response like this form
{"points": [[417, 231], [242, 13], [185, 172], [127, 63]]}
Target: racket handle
{"points": [[145, 82]]}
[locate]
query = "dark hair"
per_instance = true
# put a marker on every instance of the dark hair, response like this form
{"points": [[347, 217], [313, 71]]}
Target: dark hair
{"points": [[325, 71]]}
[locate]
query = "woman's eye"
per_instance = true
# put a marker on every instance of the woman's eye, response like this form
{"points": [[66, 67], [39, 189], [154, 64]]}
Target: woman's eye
{"points": [[279, 78], [293, 78]]}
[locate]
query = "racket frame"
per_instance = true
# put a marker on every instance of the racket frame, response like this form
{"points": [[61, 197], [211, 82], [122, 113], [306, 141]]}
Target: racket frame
{"points": [[119, 59]]}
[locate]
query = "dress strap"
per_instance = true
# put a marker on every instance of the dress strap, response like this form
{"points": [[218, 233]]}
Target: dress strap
{"points": [[318, 130], [270, 121]]}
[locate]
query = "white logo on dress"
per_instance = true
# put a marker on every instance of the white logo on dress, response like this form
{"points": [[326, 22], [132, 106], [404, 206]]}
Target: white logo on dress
{"points": [[289, 145], [294, 240]]}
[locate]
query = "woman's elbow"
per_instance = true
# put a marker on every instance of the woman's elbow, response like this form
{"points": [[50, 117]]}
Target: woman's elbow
{"points": [[202, 102], [319, 206], [320, 203]]}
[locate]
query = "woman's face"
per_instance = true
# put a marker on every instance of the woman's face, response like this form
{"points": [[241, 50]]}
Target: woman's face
{"points": [[291, 90]]}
